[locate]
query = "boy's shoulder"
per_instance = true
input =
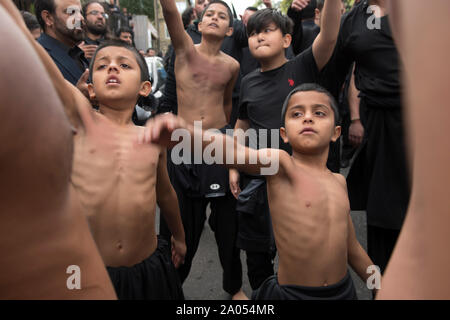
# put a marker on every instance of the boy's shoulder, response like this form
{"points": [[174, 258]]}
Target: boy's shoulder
{"points": [[340, 178], [229, 61]]}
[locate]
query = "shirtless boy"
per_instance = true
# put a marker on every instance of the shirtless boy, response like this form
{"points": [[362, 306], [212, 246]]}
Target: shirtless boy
{"points": [[309, 205], [205, 80], [42, 230], [117, 183]]}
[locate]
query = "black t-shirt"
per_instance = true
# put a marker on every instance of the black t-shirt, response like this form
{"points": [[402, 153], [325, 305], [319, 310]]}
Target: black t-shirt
{"points": [[263, 93], [374, 51]]}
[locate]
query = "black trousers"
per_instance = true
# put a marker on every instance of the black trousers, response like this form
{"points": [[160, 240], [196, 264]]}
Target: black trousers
{"points": [[380, 244], [223, 221], [259, 267]]}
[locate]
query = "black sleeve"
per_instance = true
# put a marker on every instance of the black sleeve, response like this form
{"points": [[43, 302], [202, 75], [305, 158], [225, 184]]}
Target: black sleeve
{"points": [[335, 72], [240, 34], [304, 65], [297, 34], [243, 115], [169, 101]]}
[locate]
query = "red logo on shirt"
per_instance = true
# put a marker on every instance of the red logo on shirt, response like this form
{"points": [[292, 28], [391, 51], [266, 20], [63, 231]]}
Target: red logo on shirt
{"points": [[291, 82]]}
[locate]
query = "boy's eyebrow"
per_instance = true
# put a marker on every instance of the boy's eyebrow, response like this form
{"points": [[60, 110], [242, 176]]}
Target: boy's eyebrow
{"points": [[108, 57], [314, 106]]}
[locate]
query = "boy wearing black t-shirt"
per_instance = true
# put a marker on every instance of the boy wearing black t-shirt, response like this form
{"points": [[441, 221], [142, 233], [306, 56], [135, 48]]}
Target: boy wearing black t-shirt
{"points": [[262, 94]]}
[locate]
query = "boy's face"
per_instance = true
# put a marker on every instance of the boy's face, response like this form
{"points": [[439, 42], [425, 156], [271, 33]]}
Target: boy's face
{"points": [[216, 21], [309, 122], [116, 77], [269, 43]]}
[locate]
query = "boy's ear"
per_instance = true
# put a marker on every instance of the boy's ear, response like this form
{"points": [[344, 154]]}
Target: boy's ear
{"points": [[92, 95], [283, 135], [146, 88], [337, 133], [229, 32], [287, 39]]}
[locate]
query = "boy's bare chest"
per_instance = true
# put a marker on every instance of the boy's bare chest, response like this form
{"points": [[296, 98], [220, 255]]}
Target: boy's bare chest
{"points": [[201, 72], [312, 197], [113, 156]]}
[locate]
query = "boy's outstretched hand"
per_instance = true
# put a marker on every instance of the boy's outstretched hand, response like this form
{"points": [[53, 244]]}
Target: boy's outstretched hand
{"points": [[159, 130], [300, 4]]}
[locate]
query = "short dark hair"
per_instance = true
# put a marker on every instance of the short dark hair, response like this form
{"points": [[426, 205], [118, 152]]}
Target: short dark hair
{"points": [[186, 16], [124, 29], [145, 76], [262, 18], [230, 14], [310, 87], [41, 5], [30, 20], [88, 3], [320, 4], [254, 9]]}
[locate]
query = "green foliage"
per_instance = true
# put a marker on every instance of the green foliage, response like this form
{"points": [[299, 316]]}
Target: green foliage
{"points": [[144, 7]]}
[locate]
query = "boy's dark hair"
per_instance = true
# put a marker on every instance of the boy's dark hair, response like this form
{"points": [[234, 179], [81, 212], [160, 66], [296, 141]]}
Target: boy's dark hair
{"points": [[122, 44], [124, 29], [30, 20], [262, 18], [310, 87], [254, 9], [320, 4], [186, 16], [230, 14], [88, 3], [41, 5]]}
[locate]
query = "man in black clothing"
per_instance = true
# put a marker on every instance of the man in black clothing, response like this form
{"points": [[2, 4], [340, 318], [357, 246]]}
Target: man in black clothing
{"points": [[378, 181], [95, 18], [62, 23]]}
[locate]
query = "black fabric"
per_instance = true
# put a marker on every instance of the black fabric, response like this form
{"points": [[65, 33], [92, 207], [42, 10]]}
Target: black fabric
{"points": [[263, 93], [380, 245], [378, 180], [272, 290], [260, 266], [192, 184], [70, 61], [376, 56], [310, 33], [255, 226], [223, 222], [297, 31], [153, 279]]}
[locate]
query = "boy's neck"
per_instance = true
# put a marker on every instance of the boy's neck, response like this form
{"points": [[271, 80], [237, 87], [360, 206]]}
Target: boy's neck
{"points": [[314, 161], [122, 117], [210, 46], [273, 63]]}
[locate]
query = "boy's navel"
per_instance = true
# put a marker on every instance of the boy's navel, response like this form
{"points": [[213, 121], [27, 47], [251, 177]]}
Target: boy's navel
{"points": [[308, 204]]}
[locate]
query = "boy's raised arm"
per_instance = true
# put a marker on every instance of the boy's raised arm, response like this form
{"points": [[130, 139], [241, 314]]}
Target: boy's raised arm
{"points": [[180, 39], [325, 42], [223, 149]]}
